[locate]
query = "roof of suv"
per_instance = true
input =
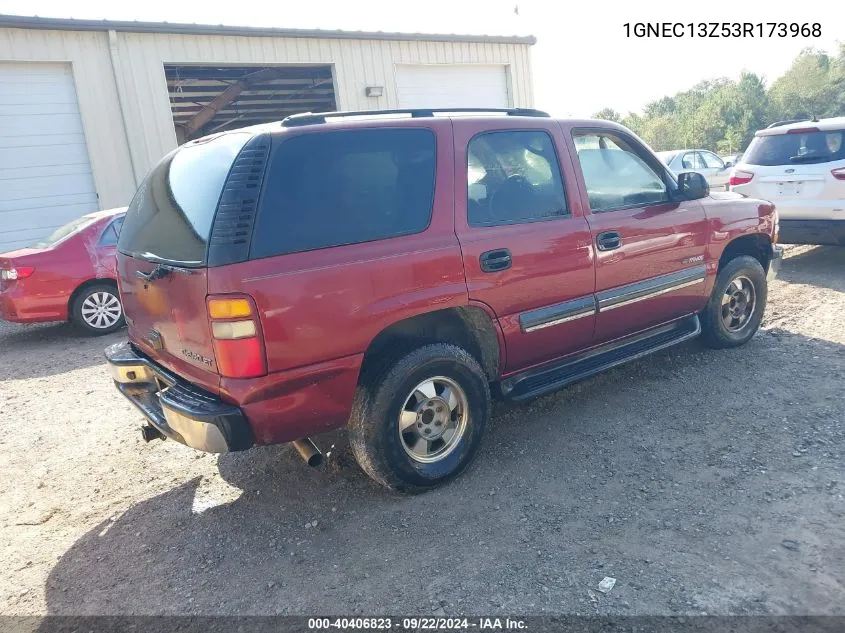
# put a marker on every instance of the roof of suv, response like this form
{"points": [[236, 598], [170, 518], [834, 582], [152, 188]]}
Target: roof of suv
{"points": [[310, 118], [394, 118], [836, 123], [367, 118]]}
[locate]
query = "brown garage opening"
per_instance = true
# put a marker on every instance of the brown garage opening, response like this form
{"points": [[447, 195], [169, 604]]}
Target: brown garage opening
{"points": [[209, 99]]}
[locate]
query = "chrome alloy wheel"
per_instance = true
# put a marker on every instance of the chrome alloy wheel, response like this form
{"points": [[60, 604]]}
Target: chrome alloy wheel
{"points": [[101, 310], [738, 304], [433, 419]]}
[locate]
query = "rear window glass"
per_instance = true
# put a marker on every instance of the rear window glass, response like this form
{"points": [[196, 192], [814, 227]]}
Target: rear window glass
{"points": [[796, 148], [63, 232], [345, 187], [170, 217]]}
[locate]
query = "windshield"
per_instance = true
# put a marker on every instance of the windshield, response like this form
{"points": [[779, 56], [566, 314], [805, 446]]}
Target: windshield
{"points": [[63, 232], [170, 217], [797, 148]]}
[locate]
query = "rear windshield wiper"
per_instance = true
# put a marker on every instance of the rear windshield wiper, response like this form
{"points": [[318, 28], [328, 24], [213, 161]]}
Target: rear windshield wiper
{"points": [[807, 158], [160, 272]]}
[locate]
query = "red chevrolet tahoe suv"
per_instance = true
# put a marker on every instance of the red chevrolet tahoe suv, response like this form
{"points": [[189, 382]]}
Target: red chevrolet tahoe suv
{"points": [[387, 271]]}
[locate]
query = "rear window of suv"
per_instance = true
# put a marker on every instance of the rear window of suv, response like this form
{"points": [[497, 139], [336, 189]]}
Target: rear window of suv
{"points": [[796, 148], [170, 217], [345, 187]]}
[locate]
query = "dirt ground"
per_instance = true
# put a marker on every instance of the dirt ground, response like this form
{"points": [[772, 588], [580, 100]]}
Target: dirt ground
{"points": [[703, 481]]}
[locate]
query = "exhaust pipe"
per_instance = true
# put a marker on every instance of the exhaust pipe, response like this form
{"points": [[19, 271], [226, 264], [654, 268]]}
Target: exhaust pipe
{"points": [[308, 451], [150, 433]]}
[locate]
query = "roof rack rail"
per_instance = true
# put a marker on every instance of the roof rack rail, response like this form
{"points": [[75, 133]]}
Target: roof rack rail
{"points": [[310, 118]]}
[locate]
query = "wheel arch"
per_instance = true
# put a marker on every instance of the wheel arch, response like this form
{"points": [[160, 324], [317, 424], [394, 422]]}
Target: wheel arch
{"points": [[756, 245], [95, 281], [469, 327]]}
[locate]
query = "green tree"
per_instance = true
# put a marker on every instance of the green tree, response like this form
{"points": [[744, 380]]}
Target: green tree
{"points": [[608, 114], [813, 86], [723, 114]]}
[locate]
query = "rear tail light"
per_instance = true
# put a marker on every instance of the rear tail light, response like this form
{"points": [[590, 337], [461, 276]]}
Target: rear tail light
{"points": [[230, 330], [238, 345], [229, 308], [740, 177], [21, 272], [776, 229], [839, 173]]}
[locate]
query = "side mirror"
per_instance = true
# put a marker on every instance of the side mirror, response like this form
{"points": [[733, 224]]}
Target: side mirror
{"points": [[692, 186], [729, 164]]}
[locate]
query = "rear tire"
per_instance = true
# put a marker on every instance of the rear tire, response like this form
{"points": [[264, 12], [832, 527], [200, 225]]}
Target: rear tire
{"points": [[97, 310], [736, 305], [418, 422]]}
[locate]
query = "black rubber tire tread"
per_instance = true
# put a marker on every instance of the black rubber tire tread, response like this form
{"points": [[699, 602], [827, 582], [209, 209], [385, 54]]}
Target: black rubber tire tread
{"points": [[714, 333], [373, 436], [76, 310]]}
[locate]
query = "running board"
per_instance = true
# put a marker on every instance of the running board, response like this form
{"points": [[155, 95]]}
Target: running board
{"points": [[548, 378]]}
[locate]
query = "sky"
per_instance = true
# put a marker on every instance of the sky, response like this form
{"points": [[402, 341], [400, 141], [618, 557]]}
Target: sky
{"points": [[582, 61]]}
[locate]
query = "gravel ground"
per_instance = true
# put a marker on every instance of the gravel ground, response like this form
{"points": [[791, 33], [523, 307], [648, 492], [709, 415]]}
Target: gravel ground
{"points": [[703, 481]]}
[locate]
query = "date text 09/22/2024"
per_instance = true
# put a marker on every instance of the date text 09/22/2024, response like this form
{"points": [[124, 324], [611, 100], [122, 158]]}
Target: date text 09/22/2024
{"points": [[417, 624], [722, 29]]}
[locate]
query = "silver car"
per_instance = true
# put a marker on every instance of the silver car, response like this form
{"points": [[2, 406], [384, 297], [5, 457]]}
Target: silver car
{"points": [[703, 161]]}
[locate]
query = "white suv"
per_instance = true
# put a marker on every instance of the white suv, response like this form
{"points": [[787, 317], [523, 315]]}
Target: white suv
{"points": [[800, 167]]}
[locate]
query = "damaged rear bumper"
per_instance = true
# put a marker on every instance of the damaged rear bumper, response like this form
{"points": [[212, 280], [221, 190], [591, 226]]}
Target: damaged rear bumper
{"points": [[176, 408]]}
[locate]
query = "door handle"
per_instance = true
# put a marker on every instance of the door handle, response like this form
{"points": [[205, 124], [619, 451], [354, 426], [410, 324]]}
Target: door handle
{"points": [[495, 260], [608, 240]]}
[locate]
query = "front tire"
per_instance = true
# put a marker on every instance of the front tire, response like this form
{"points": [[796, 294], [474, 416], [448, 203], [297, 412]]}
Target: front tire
{"points": [[418, 423], [97, 310], [735, 310]]}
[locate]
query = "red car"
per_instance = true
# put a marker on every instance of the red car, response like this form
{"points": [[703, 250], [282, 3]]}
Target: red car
{"points": [[389, 274], [69, 275]]}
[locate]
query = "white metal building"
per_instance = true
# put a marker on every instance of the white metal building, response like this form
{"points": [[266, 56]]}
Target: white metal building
{"points": [[87, 107]]}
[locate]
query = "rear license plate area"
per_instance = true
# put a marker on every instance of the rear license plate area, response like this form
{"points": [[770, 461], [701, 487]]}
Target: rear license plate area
{"points": [[790, 188]]}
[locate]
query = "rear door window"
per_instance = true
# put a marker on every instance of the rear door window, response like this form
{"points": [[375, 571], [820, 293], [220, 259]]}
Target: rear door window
{"points": [[513, 177], [795, 148], [170, 217], [328, 189]]}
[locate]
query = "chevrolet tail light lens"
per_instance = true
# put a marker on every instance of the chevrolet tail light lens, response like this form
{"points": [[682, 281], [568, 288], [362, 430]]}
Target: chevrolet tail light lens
{"points": [[229, 308], [240, 358], [839, 174], [231, 330], [238, 344]]}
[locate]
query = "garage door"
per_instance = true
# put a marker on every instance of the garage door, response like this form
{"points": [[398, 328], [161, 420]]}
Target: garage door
{"points": [[452, 86], [45, 176]]}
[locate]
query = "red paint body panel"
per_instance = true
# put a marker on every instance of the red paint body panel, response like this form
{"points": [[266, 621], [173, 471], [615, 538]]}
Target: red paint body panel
{"points": [[288, 405], [730, 216], [59, 271], [656, 240], [320, 310], [174, 307]]}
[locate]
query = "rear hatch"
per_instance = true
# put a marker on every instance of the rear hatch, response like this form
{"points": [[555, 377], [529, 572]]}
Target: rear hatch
{"points": [[162, 256], [796, 165]]}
